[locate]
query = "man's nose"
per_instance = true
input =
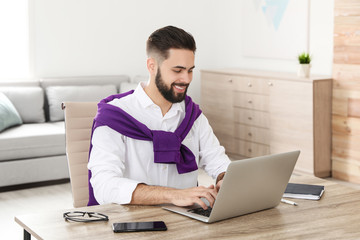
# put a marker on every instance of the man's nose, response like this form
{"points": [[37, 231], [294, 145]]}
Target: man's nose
{"points": [[187, 77]]}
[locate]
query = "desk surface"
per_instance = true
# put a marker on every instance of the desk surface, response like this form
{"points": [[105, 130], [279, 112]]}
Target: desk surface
{"points": [[336, 215]]}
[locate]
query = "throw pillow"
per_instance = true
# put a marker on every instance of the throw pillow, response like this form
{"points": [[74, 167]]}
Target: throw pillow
{"points": [[8, 115]]}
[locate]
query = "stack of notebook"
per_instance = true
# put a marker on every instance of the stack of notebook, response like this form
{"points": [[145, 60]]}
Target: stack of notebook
{"points": [[303, 191]]}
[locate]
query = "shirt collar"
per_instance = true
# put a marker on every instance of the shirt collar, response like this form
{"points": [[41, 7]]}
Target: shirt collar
{"points": [[146, 101], [142, 97]]}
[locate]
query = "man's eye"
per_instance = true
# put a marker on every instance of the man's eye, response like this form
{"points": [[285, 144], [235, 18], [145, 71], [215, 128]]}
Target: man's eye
{"points": [[177, 71]]}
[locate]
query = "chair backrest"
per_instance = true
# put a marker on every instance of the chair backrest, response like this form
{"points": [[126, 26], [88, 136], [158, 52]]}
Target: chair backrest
{"points": [[79, 118]]}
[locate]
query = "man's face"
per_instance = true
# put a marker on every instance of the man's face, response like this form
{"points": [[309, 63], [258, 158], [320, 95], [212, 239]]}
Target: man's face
{"points": [[175, 74]]}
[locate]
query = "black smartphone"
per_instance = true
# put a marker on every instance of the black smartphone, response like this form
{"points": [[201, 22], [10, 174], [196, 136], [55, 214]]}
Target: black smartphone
{"points": [[139, 226]]}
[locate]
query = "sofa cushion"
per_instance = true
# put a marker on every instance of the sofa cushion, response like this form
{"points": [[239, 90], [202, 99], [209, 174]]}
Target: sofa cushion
{"points": [[33, 170], [125, 87], [84, 81], [8, 115], [58, 94], [28, 101], [140, 78], [32, 140]]}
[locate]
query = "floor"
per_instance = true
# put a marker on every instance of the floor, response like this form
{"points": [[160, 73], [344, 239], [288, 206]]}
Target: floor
{"points": [[42, 199], [27, 201]]}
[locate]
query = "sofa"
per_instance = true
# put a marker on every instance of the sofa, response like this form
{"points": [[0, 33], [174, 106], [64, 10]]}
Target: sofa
{"points": [[32, 148]]}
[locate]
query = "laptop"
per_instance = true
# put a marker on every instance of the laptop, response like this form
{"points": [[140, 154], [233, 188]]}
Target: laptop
{"points": [[250, 185]]}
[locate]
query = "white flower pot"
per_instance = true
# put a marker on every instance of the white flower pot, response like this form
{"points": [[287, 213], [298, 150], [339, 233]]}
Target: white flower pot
{"points": [[304, 70]]}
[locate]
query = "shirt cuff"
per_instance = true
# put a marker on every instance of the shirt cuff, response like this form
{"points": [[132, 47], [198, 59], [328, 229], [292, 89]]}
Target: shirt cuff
{"points": [[123, 193]]}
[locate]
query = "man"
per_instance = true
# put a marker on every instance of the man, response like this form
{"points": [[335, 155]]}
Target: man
{"points": [[148, 144]]}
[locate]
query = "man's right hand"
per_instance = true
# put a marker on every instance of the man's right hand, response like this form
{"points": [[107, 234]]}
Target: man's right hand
{"points": [[190, 196], [154, 195]]}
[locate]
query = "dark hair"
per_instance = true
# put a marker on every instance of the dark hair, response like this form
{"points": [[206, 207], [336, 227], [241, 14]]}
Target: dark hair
{"points": [[168, 37]]}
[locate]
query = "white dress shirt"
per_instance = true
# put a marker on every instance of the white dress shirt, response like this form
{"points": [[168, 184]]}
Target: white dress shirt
{"points": [[119, 163]]}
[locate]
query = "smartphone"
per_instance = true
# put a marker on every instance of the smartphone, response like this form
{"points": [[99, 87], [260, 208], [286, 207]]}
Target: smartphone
{"points": [[139, 226]]}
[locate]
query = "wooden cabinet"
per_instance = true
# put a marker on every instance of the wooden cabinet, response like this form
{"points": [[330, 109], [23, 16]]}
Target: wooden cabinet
{"points": [[255, 113], [219, 104]]}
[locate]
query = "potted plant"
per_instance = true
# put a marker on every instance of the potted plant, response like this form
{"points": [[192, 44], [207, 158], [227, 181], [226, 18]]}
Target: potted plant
{"points": [[304, 67]]}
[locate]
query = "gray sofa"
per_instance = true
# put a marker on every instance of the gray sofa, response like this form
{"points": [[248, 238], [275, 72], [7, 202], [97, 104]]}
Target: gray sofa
{"points": [[35, 150]]}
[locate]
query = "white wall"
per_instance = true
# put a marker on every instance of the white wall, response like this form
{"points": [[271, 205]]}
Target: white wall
{"points": [[320, 42], [106, 37], [321, 35]]}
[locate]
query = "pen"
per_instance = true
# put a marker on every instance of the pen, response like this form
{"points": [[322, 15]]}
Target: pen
{"points": [[289, 202]]}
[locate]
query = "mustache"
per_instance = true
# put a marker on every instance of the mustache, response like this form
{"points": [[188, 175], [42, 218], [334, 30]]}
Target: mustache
{"points": [[180, 84]]}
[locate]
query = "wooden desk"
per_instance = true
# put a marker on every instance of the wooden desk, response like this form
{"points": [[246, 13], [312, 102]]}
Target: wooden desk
{"points": [[335, 216]]}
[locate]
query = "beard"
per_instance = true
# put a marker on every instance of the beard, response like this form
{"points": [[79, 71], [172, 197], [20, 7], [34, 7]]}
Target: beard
{"points": [[167, 92]]}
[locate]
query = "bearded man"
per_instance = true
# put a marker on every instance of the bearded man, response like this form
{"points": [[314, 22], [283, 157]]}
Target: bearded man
{"points": [[148, 144]]}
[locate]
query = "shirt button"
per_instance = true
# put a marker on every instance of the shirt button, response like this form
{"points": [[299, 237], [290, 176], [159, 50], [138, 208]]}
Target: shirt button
{"points": [[164, 167]]}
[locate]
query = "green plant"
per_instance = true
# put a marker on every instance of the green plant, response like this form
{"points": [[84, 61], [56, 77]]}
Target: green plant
{"points": [[304, 58]]}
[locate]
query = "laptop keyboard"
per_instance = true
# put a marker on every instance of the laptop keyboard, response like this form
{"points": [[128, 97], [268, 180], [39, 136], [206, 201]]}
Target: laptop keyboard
{"points": [[201, 211]]}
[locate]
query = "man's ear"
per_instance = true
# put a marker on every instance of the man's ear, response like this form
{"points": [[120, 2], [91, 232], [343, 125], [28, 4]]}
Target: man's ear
{"points": [[151, 64]]}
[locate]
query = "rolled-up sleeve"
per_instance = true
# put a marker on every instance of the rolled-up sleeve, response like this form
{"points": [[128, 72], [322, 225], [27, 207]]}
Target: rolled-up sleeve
{"points": [[107, 166], [211, 154]]}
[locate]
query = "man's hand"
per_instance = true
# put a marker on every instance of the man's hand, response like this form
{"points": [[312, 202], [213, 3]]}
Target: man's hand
{"points": [[219, 181], [154, 195], [218, 185], [190, 196]]}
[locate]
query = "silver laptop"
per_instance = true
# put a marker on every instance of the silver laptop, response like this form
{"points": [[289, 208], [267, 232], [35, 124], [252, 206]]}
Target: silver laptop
{"points": [[249, 185]]}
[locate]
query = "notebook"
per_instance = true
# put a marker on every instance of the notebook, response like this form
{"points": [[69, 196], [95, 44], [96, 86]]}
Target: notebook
{"points": [[304, 191], [249, 185]]}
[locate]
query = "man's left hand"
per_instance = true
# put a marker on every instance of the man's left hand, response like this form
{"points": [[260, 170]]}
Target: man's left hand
{"points": [[218, 185], [219, 181]]}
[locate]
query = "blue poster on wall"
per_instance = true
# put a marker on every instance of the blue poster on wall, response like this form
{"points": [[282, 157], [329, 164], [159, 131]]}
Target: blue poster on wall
{"points": [[276, 29], [274, 11]]}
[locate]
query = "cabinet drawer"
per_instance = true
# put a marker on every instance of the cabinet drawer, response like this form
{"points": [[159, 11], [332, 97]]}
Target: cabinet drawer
{"points": [[251, 85], [250, 149], [227, 142], [252, 134], [235, 157], [221, 125], [218, 114], [216, 83], [251, 117], [216, 95], [251, 101]]}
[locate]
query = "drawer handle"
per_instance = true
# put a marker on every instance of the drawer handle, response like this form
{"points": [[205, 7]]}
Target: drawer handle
{"points": [[249, 101], [249, 150], [270, 84], [250, 134], [230, 80], [250, 118], [249, 85]]}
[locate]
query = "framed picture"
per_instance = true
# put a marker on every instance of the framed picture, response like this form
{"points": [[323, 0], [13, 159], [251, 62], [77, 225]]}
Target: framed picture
{"points": [[277, 29]]}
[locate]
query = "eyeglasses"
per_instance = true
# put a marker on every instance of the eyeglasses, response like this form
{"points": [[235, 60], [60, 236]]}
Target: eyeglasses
{"points": [[78, 216]]}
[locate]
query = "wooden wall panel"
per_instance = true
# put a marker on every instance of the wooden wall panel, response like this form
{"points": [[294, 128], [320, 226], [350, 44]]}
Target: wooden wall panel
{"points": [[346, 76], [346, 91], [347, 8], [346, 126]]}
